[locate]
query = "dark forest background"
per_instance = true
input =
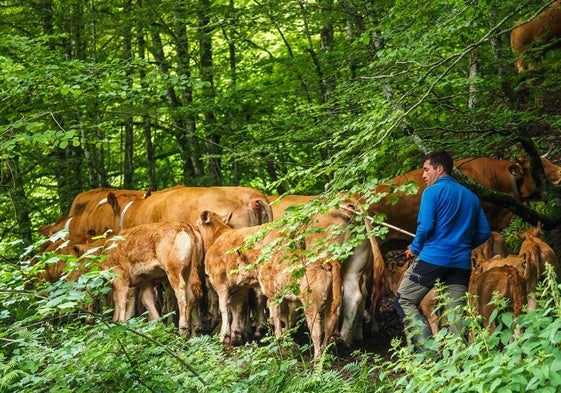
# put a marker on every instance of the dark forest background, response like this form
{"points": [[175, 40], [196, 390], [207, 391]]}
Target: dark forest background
{"points": [[284, 96]]}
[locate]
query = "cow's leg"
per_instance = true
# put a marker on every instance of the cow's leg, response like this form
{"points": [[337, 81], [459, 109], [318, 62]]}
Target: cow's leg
{"points": [[184, 302], [352, 299], [131, 303], [149, 300], [239, 328], [275, 308], [224, 307], [313, 319], [120, 290], [193, 310], [292, 313], [213, 309], [259, 310]]}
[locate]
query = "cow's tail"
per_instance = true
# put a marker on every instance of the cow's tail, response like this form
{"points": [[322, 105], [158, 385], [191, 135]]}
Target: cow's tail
{"points": [[261, 210], [532, 258], [379, 274], [336, 301], [517, 290], [197, 265]]}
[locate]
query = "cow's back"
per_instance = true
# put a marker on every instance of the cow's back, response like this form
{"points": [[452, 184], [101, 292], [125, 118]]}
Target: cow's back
{"points": [[185, 204]]}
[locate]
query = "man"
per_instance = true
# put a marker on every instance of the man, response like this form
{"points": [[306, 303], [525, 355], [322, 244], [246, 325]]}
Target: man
{"points": [[451, 223]]}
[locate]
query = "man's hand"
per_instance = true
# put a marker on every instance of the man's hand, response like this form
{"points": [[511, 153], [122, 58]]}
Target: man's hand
{"points": [[408, 253]]}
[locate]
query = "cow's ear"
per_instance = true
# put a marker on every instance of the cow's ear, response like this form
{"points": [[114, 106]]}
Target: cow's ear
{"points": [[516, 171], [112, 201], [226, 218], [147, 194], [205, 217], [539, 228]]}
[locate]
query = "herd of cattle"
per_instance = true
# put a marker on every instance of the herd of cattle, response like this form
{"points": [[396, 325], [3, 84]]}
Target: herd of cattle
{"points": [[225, 261]]}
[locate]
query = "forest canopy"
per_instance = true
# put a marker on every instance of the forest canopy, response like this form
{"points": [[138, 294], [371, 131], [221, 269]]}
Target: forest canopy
{"points": [[293, 96]]}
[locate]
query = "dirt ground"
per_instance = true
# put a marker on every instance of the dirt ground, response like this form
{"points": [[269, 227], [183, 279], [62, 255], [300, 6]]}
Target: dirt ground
{"points": [[379, 343]]}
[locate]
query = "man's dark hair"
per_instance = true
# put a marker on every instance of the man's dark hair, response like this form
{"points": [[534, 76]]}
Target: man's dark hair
{"points": [[441, 157]]}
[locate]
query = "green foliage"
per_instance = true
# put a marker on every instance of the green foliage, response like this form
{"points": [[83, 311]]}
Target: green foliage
{"points": [[61, 350]]}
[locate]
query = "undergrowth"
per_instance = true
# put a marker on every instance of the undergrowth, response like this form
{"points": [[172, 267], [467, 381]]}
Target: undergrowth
{"points": [[50, 343]]}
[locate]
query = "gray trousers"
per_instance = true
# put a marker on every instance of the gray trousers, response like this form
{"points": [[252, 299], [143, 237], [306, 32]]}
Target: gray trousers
{"points": [[417, 281]]}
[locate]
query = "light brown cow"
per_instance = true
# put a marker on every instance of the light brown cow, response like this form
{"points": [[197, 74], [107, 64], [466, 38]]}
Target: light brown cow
{"points": [[505, 176], [151, 252], [89, 216], [246, 206], [364, 266], [50, 229], [494, 246], [229, 272], [530, 262], [536, 33], [232, 273], [538, 252], [394, 275], [249, 207], [319, 293], [502, 281], [279, 204]]}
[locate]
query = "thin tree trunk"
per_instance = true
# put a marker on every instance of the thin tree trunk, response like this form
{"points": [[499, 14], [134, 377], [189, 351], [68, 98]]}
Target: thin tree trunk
{"points": [[67, 161], [20, 203], [129, 137], [186, 134], [213, 166], [147, 124]]}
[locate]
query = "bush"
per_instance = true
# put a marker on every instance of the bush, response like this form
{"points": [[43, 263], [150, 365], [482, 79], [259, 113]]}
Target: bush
{"points": [[46, 345]]}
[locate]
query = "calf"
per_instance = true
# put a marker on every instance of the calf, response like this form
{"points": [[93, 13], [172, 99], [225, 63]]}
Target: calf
{"points": [[362, 269], [530, 262], [234, 268], [151, 252], [537, 251], [502, 281], [545, 29], [495, 245], [229, 271]]}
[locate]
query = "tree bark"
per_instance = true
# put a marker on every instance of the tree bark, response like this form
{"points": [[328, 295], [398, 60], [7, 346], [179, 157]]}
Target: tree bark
{"points": [[213, 165]]}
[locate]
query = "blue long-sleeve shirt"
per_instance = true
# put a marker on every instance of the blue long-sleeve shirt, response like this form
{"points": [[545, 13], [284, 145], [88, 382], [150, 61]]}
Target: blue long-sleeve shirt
{"points": [[451, 223]]}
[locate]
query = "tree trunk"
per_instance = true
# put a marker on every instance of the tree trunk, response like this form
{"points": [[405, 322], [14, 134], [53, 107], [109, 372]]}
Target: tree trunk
{"points": [[20, 203], [146, 122], [129, 137], [213, 166]]}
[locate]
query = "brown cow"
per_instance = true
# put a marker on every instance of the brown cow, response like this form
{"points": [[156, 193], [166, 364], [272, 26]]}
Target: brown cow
{"points": [[90, 216], [279, 204], [530, 262], [394, 274], [494, 246], [364, 265], [319, 292], [538, 252], [50, 229], [502, 281], [154, 251], [229, 272], [249, 207], [542, 30], [234, 268]]}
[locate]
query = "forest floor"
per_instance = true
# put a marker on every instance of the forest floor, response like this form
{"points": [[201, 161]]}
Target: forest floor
{"points": [[389, 327]]}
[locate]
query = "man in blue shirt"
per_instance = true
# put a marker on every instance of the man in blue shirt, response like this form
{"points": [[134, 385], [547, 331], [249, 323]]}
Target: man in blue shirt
{"points": [[450, 224]]}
